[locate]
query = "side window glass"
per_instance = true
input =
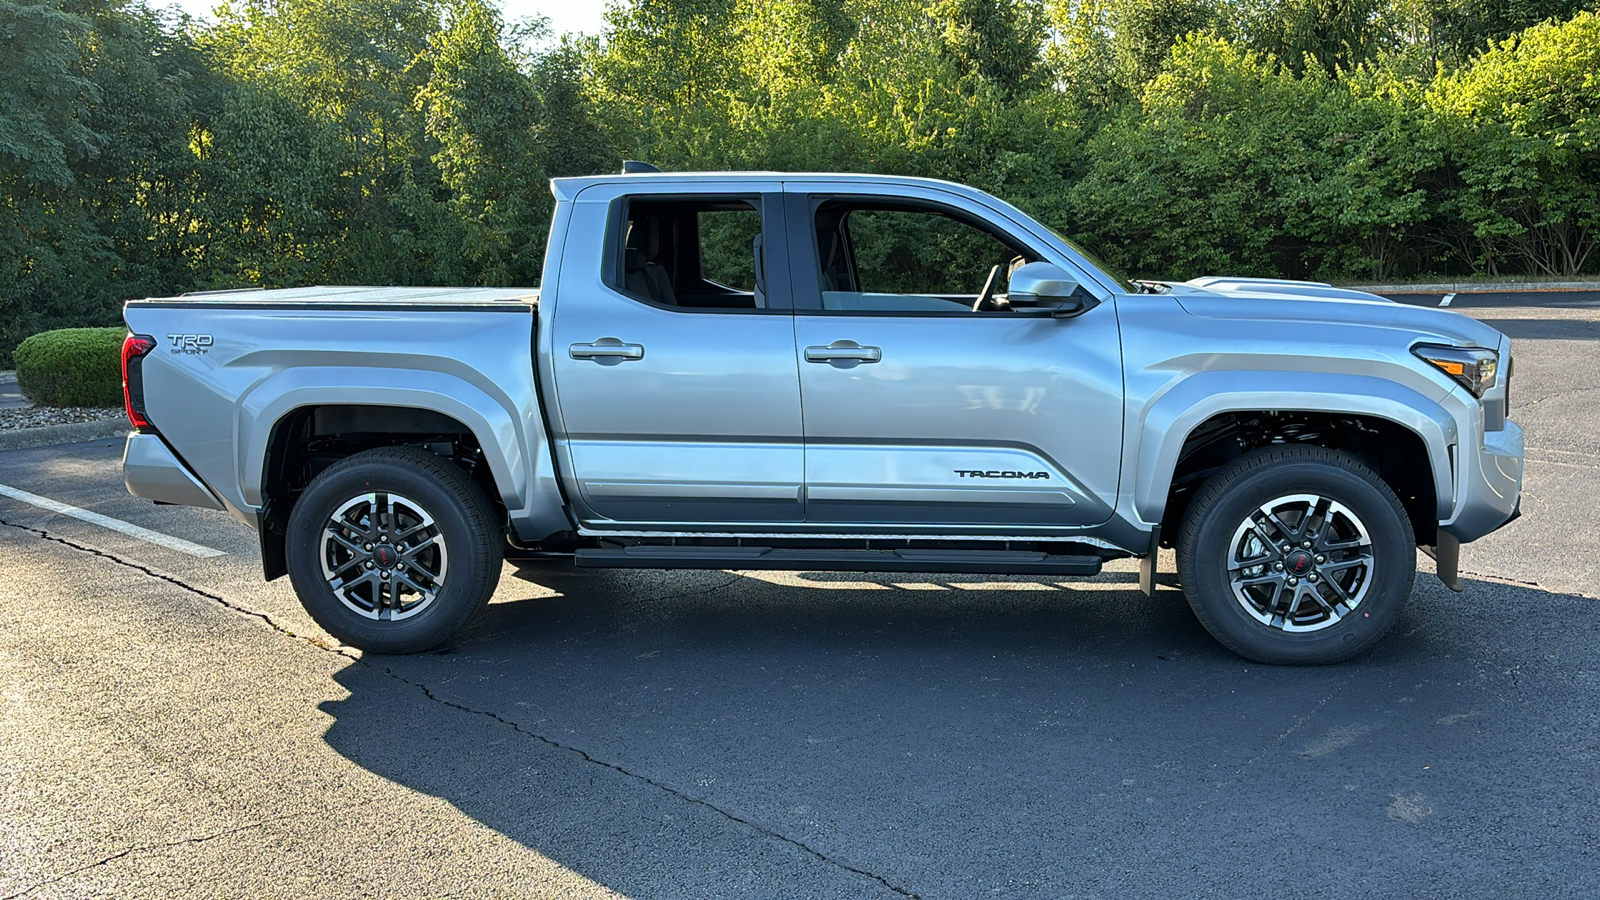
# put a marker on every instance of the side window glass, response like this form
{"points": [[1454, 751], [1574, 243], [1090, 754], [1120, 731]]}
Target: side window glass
{"points": [[728, 247], [920, 253], [909, 260], [692, 253]]}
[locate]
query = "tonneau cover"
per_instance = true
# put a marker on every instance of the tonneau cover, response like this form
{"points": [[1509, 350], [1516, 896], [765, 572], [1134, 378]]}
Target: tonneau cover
{"points": [[353, 297]]}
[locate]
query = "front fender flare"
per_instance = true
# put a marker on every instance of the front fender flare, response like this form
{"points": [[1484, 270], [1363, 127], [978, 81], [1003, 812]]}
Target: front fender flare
{"points": [[1169, 418]]}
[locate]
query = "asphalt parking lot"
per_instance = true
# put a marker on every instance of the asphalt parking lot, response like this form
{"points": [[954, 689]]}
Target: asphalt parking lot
{"points": [[170, 725]]}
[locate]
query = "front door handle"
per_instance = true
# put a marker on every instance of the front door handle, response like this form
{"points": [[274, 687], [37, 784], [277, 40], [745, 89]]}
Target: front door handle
{"points": [[844, 351], [607, 350]]}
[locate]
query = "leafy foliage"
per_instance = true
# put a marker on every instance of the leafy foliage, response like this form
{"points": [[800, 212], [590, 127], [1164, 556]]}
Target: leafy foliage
{"points": [[72, 367], [410, 141]]}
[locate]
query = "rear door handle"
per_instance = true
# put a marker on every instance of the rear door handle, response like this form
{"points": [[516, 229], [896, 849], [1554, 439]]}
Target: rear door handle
{"points": [[844, 351], [606, 350]]}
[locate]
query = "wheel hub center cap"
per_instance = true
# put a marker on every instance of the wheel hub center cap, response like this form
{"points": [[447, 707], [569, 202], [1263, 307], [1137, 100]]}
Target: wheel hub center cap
{"points": [[1298, 563], [385, 556]]}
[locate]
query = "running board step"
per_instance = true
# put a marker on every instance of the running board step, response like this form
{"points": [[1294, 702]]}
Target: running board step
{"points": [[968, 562]]}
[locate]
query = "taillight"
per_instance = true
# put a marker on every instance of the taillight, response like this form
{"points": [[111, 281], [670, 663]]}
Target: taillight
{"points": [[134, 348]]}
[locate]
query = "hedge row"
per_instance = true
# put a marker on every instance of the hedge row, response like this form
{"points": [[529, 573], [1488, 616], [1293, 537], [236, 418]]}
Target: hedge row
{"points": [[72, 367]]}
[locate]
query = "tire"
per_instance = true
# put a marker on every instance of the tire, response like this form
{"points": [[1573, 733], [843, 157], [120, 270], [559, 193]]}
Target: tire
{"points": [[441, 571], [1348, 587]]}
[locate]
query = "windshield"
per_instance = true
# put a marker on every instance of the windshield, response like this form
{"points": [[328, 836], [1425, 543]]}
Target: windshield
{"points": [[1116, 274]]}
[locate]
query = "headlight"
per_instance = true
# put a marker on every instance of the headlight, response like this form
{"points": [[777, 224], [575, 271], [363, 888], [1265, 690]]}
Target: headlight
{"points": [[1471, 367]]}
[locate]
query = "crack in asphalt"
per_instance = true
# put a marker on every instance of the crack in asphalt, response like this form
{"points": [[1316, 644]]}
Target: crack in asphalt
{"points": [[1551, 396], [430, 695], [1295, 726], [694, 592], [687, 798], [146, 848], [162, 576]]}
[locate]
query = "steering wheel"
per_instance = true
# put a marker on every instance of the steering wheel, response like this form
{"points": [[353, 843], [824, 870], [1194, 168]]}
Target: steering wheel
{"points": [[988, 289]]}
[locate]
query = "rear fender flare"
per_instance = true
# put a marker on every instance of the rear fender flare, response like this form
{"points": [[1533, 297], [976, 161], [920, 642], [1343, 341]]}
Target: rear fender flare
{"points": [[496, 430]]}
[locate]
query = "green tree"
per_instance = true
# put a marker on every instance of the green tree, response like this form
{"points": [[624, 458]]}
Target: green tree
{"points": [[1457, 30], [1234, 164], [356, 65], [1146, 30], [1336, 35], [1522, 125], [272, 191], [45, 235], [482, 112], [151, 85], [998, 42]]}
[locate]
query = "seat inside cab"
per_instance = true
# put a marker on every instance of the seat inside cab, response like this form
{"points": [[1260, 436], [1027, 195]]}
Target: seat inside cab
{"points": [[705, 254]]}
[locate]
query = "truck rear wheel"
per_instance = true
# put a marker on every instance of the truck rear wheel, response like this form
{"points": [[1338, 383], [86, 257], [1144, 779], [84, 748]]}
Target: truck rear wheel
{"points": [[1296, 555], [393, 550]]}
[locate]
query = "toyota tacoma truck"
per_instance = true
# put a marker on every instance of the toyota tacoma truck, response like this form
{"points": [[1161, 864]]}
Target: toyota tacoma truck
{"points": [[830, 372]]}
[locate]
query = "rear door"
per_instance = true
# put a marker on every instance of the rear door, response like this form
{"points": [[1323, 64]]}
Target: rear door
{"points": [[922, 415], [672, 355]]}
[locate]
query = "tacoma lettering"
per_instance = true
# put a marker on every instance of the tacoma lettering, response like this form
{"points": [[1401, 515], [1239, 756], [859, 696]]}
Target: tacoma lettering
{"points": [[998, 473]]}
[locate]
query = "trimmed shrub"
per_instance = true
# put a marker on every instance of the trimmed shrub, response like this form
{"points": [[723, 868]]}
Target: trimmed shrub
{"points": [[72, 367]]}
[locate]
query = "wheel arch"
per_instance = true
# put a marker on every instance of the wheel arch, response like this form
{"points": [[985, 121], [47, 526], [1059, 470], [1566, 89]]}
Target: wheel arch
{"points": [[1174, 427], [305, 440]]}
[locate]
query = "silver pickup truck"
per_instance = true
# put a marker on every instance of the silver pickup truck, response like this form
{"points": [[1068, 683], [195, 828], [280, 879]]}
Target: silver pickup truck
{"points": [[830, 372]]}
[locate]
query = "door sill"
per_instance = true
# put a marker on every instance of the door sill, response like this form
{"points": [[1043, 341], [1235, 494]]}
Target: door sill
{"points": [[971, 562]]}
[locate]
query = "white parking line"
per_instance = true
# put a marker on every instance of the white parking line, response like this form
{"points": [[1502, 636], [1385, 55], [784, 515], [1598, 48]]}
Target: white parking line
{"points": [[127, 528], [1447, 299]]}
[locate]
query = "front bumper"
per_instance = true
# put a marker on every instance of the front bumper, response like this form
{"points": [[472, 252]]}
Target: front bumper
{"points": [[151, 470], [1489, 491]]}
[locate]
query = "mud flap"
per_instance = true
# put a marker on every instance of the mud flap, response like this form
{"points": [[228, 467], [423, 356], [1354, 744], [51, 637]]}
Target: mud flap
{"points": [[1147, 565], [1447, 561]]}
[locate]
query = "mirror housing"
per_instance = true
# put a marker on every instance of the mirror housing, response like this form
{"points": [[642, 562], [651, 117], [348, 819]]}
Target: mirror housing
{"points": [[1040, 284]]}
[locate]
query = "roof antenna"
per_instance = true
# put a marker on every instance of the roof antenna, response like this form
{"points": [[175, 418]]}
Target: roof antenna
{"points": [[634, 167]]}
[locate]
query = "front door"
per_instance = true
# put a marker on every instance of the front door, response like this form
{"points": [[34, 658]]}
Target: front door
{"points": [[672, 353], [923, 415]]}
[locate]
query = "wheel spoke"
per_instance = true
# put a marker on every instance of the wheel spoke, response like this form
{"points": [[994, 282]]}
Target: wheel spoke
{"points": [[1269, 578], [1269, 540], [1335, 546], [1316, 594], [342, 586], [407, 554], [1289, 534], [1281, 618], [347, 565], [403, 577], [1362, 560], [1343, 596], [1261, 560], [345, 542], [1317, 518]]}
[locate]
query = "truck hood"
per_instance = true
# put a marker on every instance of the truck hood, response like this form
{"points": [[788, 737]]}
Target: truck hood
{"points": [[1262, 299]]}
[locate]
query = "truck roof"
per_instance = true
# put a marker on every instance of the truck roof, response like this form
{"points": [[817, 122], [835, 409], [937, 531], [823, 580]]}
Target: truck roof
{"points": [[567, 188]]}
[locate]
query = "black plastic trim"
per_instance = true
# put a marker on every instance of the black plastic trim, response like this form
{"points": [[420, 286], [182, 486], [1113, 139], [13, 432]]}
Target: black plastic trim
{"points": [[971, 562]]}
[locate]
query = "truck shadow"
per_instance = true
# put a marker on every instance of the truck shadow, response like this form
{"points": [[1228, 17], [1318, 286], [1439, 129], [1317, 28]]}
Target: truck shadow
{"points": [[683, 734]]}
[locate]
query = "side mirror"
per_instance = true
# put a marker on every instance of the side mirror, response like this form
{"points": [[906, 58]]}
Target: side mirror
{"points": [[1043, 285]]}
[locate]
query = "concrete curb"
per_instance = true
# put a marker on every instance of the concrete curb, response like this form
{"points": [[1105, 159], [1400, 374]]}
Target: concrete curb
{"points": [[1475, 287], [76, 432]]}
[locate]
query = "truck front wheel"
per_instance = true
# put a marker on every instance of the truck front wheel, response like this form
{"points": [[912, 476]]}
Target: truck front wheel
{"points": [[1296, 555], [393, 550]]}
